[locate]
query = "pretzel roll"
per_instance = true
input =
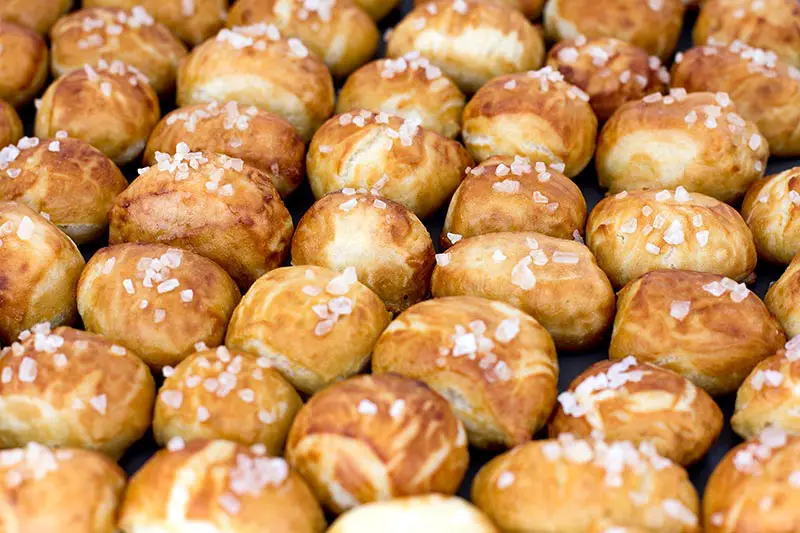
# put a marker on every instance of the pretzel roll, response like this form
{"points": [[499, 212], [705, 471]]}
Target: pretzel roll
{"points": [[536, 115], [254, 65], [637, 232], [375, 438], [10, 124], [771, 211], [556, 281], [783, 299], [23, 63], [530, 8], [210, 204], [568, 485], [40, 272], [390, 156], [218, 486], [472, 41], [69, 388], [39, 15], [707, 328]]}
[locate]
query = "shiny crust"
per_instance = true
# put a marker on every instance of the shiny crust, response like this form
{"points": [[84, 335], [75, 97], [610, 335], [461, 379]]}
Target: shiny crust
{"points": [[626, 250], [773, 216], [38, 15], [782, 299], [352, 450], [23, 63], [530, 8], [485, 41], [377, 9], [358, 149], [386, 243], [715, 345], [502, 400], [106, 305], [102, 399], [573, 301], [10, 124]]}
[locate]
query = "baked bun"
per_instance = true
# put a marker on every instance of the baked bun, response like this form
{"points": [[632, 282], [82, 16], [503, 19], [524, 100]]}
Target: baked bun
{"points": [[536, 115], [210, 204], [390, 156], [770, 211], [610, 71], [637, 232], [315, 326], [495, 365], [568, 485], [257, 137], [40, 272], [110, 106], [70, 181], [710, 329], [386, 243], [530, 8], [218, 394], [254, 65], [765, 90], [374, 438], [69, 388], [39, 15], [409, 87], [156, 300], [23, 63], [10, 124], [639, 403], [783, 299], [231, 488], [557, 281], [472, 41], [506, 193]]}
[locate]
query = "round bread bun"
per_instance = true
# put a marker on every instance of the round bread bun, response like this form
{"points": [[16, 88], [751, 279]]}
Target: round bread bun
{"points": [[218, 394], [210, 204], [530, 8], [409, 87], [557, 281], [69, 180], [40, 272], [314, 325], [770, 210], [610, 71], [654, 25], [110, 106], [67, 490], [707, 328], [472, 41], [637, 402], [10, 124], [386, 243], [257, 137], [695, 140], [783, 298], [765, 89], [69, 388], [254, 65], [377, 9], [39, 15], [375, 438], [156, 300], [391, 156], [495, 365], [536, 115], [507, 193], [566, 485], [218, 486], [23, 63], [641, 231], [133, 37]]}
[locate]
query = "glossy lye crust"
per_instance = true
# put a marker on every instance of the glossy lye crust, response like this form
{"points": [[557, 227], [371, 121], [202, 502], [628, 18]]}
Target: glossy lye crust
{"points": [[530, 8], [23, 64], [10, 124], [39, 15], [782, 299], [770, 211]]}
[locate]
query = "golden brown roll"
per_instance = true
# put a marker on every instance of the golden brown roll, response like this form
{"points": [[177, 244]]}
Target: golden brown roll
{"points": [[257, 137], [783, 299], [23, 63], [218, 486], [70, 182], [156, 300], [386, 243], [69, 388], [10, 124], [254, 65], [374, 438], [536, 115], [707, 328], [470, 40], [769, 210], [567, 485], [507, 193], [39, 277], [211, 204], [530, 8], [495, 365], [391, 156], [409, 87], [641, 231], [314, 325], [39, 15]]}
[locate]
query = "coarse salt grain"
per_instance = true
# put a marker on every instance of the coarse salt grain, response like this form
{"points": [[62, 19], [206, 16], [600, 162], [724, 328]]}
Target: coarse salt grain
{"points": [[366, 407], [679, 309], [505, 480]]}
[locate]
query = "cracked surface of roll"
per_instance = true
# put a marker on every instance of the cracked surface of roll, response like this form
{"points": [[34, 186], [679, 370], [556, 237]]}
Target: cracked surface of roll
{"points": [[783, 298], [770, 211], [23, 63]]}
